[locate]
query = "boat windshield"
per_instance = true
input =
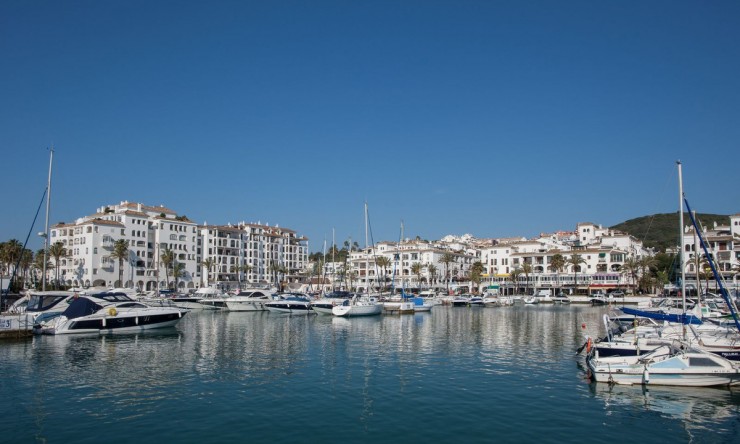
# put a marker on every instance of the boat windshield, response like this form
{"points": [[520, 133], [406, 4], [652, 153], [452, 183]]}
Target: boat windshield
{"points": [[43, 302], [113, 297]]}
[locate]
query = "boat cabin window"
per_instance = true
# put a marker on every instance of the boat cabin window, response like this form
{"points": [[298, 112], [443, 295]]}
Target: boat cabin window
{"points": [[38, 302], [132, 304], [704, 362]]}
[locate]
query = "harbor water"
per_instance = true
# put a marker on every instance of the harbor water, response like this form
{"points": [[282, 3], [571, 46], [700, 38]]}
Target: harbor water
{"points": [[507, 374]]}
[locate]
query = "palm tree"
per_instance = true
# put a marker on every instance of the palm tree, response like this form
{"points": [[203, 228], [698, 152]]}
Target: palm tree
{"points": [[514, 277], [447, 259], [168, 259], [276, 269], [177, 270], [575, 260], [631, 268], [383, 262], [432, 269], [238, 269], [557, 263], [208, 264], [10, 253], [38, 263], [57, 251], [352, 276], [705, 270], [26, 261], [526, 269], [645, 264], [416, 269], [476, 273], [120, 252]]}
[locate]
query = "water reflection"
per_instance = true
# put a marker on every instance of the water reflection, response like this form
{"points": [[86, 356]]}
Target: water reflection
{"points": [[241, 370], [700, 409]]}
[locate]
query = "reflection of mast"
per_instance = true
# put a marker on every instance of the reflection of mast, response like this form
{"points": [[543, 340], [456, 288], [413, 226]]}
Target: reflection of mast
{"points": [[46, 228]]}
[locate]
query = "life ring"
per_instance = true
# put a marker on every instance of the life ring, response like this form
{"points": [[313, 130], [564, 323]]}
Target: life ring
{"points": [[112, 311]]}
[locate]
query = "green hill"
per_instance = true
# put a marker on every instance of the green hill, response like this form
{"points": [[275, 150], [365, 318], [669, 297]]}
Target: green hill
{"points": [[661, 230]]}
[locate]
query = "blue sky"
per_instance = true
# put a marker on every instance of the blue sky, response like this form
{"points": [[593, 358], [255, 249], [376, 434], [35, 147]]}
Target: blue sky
{"points": [[492, 118]]}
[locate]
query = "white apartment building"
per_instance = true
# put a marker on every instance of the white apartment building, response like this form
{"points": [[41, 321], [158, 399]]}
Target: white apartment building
{"points": [[248, 254], [402, 257], [148, 231], [723, 243], [602, 250]]}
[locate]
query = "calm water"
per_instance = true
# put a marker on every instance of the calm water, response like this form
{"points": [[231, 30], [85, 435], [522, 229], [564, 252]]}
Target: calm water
{"points": [[454, 375]]}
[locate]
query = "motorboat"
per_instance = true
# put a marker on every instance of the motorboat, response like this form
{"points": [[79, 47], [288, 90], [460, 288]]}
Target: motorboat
{"points": [[211, 298], [358, 306], [421, 305], [403, 306], [531, 300], [675, 364], [476, 301], [249, 300], [325, 305], [191, 302], [599, 298], [35, 307], [289, 303], [461, 301], [561, 298], [400, 304], [109, 312]]}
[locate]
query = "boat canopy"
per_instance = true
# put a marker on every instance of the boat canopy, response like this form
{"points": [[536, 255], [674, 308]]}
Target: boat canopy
{"points": [[81, 307], [681, 318]]}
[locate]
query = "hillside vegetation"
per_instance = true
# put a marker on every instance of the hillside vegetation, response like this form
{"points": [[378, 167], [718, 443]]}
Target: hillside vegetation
{"points": [[660, 231]]}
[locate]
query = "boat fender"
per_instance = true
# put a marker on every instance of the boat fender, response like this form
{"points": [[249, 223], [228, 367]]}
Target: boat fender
{"points": [[588, 346], [112, 311], [646, 376]]}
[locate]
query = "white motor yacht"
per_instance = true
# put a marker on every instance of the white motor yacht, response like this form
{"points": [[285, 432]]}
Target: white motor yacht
{"points": [[109, 312], [290, 303], [325, 305], [211, 298], [249, 300], [35, 307]]}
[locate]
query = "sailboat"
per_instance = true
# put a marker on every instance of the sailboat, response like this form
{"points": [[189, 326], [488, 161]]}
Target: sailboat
{"points": [[401, 304], [675, 362], [359, 305], [22, 321]]}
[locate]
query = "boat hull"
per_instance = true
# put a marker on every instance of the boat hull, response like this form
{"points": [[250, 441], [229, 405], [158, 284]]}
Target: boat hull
{"points": [[246, 305], [689, 369], [111, 324], [398, 307], [357, 310]]}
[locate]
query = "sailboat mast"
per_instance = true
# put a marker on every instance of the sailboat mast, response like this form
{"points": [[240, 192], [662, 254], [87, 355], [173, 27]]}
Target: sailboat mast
{"points": [[367, 252], [46, 226], [681, 241]]}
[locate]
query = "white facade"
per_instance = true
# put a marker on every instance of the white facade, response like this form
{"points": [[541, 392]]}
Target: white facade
{"points": [[402, 259], [89, 242], [247, 254]]}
